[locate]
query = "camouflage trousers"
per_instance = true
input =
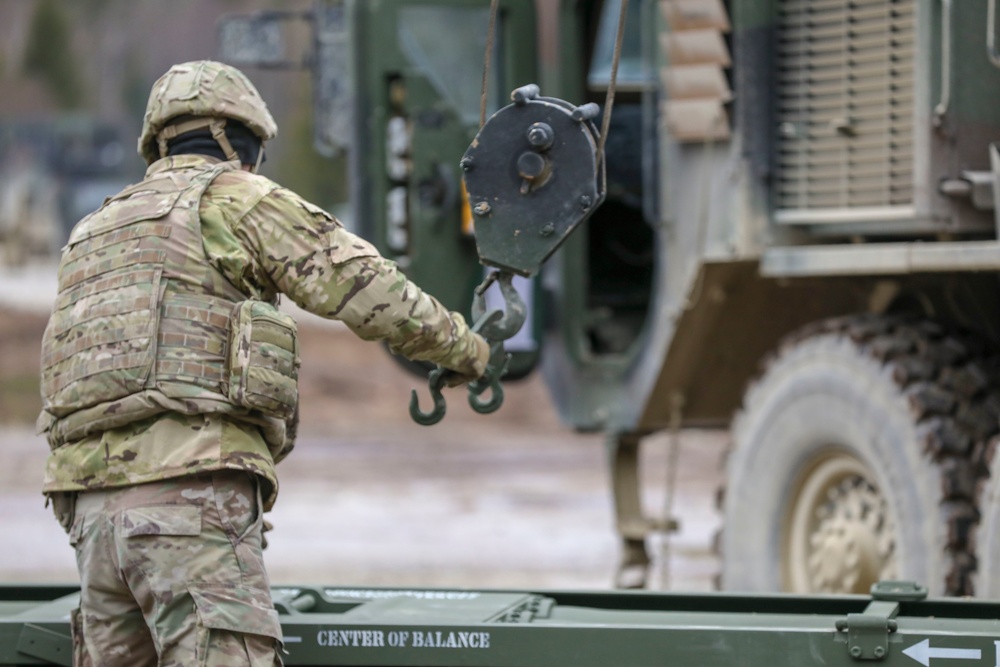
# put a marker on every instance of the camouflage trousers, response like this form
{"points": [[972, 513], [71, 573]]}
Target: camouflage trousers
{"points": [[172, 574]]}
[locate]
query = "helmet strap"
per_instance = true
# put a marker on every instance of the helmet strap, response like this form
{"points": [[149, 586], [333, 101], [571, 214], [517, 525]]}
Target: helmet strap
{"points": [[260, 159], [177, 129], [217, 126], [218, 130]]}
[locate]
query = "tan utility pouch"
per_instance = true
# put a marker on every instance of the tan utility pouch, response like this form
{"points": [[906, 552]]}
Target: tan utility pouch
{"points": [[263, 359]]}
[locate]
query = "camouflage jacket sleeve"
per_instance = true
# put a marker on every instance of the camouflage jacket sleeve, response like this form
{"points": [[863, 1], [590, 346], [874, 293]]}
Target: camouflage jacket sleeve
{"points": [[308, 255]]}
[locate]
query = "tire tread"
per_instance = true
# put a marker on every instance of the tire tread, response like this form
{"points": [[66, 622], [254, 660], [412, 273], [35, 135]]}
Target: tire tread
{"points": [[950, 382]]}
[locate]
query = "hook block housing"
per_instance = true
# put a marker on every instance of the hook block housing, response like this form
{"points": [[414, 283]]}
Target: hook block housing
{"points": [[533, 176]]}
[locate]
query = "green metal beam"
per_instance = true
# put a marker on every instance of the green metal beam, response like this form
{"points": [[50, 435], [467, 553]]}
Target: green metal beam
{"points": [[330, 626]]}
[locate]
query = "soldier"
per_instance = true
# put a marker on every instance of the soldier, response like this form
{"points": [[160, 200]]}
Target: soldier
{"points": [[169, 377]]}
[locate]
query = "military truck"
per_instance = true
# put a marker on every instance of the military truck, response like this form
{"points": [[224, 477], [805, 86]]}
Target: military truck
{"points": [[799, 242]]}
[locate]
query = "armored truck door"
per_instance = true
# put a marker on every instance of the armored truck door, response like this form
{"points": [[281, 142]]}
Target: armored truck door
{"points": [[419, 68]]}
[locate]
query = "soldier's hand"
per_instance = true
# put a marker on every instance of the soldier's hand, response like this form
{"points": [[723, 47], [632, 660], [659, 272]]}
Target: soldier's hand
{"points": [[483, 352], [455, 379], [263, 533], [475, 368]]}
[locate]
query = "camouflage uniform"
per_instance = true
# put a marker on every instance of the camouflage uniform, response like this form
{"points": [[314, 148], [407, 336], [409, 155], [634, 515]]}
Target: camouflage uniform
{"points": [[169, 379], [189, 550]]}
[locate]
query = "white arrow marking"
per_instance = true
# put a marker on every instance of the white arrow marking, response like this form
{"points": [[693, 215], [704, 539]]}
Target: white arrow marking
{"points": [[923, 653]]}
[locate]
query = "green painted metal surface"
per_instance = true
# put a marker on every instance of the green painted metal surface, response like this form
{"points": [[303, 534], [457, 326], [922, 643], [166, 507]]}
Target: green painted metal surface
{"points": [[349, 626]]}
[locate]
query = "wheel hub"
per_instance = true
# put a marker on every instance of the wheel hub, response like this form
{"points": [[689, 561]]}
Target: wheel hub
{"points": [[840, 538]]}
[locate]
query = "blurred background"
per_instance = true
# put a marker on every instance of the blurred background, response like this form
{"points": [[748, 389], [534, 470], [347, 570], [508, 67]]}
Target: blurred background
{"points": [[76, 77], [368, 497]]}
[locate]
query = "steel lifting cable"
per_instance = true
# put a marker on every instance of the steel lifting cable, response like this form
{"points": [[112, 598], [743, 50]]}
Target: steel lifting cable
{"points": [[490, 36], [609, 101]]}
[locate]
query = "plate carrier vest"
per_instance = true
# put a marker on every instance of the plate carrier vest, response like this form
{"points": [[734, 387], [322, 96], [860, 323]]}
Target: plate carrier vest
{"points": [[143, 324]]}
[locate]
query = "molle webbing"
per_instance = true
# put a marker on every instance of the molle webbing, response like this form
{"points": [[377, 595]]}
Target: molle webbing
{"points": [[140, 311], [192, 340]]}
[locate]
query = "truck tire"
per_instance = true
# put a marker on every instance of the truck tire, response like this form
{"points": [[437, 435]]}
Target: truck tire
{"points": [[853, 460], [987, 533]]}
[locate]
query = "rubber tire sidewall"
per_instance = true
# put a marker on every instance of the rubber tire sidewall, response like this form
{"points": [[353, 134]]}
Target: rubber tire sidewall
{"points": [[824, 394], [987, 535]]}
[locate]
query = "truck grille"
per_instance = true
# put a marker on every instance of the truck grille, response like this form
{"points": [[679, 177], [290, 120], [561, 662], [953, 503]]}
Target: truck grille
{"points": [[844, 107]]}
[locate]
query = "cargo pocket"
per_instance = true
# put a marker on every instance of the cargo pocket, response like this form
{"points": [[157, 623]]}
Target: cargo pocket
{"points": [[238, 612], [167, 520]]}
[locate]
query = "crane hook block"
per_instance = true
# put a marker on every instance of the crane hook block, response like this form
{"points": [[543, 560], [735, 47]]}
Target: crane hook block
{"points": [[533, 176]]}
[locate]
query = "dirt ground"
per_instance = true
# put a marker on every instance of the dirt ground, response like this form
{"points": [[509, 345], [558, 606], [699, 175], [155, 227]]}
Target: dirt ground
{"points": [[512, 499]]}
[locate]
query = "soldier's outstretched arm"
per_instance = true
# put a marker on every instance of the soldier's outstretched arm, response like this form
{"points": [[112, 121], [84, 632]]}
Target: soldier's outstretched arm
{"points": [[325, 269]]}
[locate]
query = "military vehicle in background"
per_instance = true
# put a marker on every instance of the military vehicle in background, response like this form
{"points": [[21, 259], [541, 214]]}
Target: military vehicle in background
{"points": [[799, 241], [52, 173]]}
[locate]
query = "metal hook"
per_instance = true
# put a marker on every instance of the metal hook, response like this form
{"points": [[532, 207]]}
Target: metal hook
{"points": [[514, 315], [435, 382], [495, 326], [493, 404], [492, 382]]}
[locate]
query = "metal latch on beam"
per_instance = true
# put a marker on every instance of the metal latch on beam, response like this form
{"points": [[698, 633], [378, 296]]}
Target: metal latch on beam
{"points": [[868, 632]]}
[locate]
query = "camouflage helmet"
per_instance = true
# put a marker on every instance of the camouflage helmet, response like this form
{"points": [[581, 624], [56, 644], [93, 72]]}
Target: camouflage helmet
{"points": [[203, 89]]}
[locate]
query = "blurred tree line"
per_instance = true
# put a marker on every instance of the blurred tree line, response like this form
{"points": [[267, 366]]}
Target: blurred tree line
{"points": [[49, 55], [98, 59]]}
